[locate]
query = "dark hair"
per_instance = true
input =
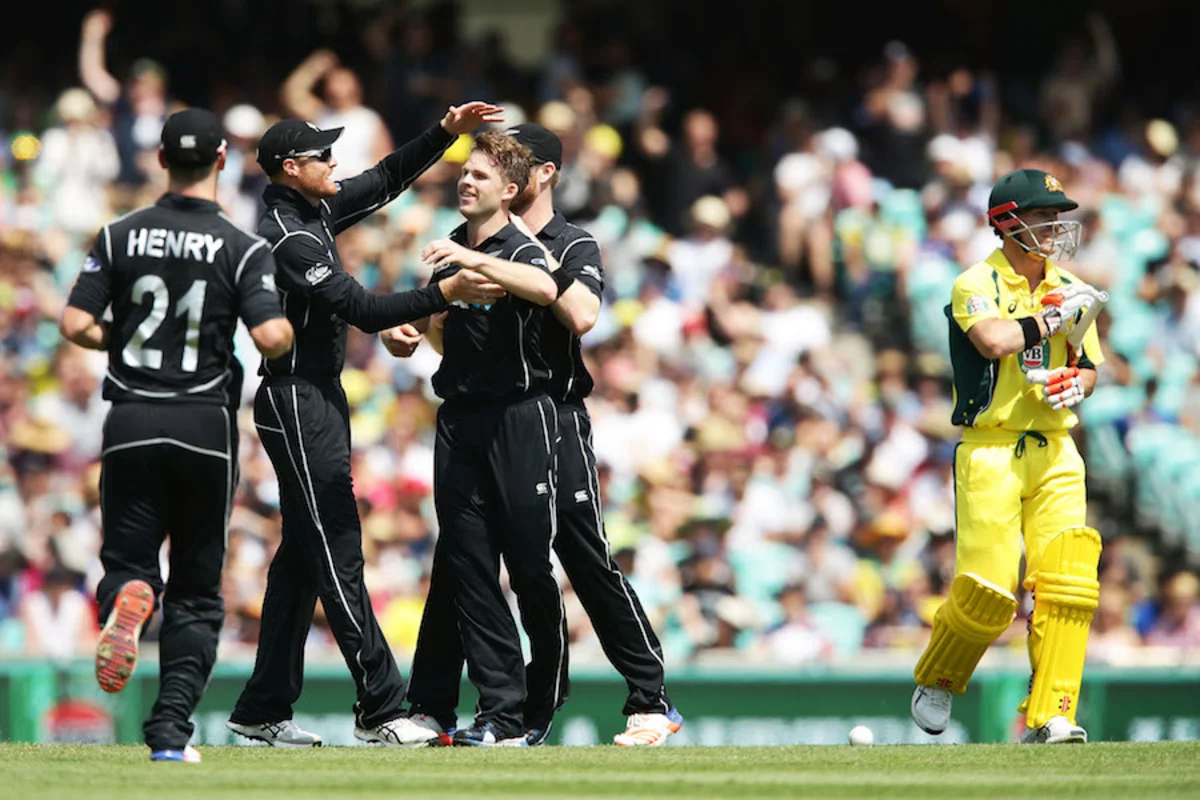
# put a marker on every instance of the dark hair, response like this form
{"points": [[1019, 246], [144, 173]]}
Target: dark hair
{"points": [[190, 175], [511, 158]]}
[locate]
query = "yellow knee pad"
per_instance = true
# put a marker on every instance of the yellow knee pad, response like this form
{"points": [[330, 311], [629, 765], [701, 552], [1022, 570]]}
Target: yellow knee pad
{"points": [[1066, 594], [973, 617]]}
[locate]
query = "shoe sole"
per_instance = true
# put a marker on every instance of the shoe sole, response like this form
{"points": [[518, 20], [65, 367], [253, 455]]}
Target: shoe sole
{"points": [[272, 742], [930, 731], [403, 746], [117, 649], [672, 727], [168, 757], [1073, 738], [515, 741]]}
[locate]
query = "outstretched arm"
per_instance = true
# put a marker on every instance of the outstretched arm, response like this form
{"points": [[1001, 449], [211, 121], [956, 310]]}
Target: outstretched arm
{"points": [[304, 268], [364, 193]]}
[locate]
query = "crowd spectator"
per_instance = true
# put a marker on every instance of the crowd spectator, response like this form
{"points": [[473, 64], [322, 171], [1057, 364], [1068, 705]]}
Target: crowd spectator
{"points": [[365, 139]]}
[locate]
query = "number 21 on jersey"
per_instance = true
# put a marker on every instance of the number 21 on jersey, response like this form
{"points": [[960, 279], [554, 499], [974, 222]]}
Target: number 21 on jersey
{"points": [[136, 354]]}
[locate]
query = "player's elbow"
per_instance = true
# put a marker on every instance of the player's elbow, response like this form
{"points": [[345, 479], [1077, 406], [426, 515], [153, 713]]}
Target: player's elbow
{"points": [[580, 321], [991, 340], [273, 338], [585, 312], [579, 326], [991, 349], [75, 324]]}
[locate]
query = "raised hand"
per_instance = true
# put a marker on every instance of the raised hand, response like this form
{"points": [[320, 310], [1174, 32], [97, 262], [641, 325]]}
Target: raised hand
{"points": [[469, 116], [97, 24], [322, 61]]}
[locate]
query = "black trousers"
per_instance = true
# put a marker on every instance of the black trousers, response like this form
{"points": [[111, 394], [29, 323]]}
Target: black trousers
{"points": [[617, 616], [494, 486], [305, 429], [170, 468]]}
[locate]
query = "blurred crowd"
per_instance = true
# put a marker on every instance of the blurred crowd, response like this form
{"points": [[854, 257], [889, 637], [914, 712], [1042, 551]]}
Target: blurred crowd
{"points": [[773, 393]]}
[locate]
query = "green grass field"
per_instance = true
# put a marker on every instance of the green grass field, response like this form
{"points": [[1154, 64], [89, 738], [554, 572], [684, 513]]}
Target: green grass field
{"points": [[1096, 770]]}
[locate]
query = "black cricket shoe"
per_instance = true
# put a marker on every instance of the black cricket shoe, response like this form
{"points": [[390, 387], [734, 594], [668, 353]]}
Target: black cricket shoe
{"points": [[486, 735]]}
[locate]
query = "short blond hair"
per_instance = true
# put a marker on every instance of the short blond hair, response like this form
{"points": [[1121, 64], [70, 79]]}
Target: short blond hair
{"points": [[511, 158]]}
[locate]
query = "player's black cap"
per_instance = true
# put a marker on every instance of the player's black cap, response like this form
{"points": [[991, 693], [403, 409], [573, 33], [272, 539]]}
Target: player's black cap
{"points": [[542, 142], [292, 138], [192, 138]]}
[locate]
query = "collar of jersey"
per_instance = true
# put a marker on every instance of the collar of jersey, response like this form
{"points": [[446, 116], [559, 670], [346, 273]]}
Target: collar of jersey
{"points": [[499, 237], [275, 195], [999, 262], [172, 200], [554, 227]]}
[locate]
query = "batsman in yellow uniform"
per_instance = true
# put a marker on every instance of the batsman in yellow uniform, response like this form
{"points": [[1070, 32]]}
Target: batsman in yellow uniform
{"points": [[1018, 477]]}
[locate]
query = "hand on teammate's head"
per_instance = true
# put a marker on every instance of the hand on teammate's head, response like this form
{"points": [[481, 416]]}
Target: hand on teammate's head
{"points": [[470, 116]]}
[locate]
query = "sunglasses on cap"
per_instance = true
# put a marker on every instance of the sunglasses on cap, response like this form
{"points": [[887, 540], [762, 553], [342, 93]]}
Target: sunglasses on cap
{"points": [[316, 155]]}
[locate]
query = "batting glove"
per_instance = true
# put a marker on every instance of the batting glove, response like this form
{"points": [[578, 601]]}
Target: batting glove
{"points": [[1062, 387], [1064, 303]]}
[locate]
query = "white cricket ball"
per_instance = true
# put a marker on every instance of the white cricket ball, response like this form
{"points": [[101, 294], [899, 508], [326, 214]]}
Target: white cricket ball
{"points": [[861, 736]]}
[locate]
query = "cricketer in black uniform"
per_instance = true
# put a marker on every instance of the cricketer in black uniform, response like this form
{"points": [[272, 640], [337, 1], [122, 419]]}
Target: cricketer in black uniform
{"points": [[494, 481], [302, 418], [580, 542], [177, 275]]}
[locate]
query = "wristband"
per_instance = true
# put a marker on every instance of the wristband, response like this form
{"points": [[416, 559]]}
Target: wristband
{"points": [[1033, 333], [563, 281]]}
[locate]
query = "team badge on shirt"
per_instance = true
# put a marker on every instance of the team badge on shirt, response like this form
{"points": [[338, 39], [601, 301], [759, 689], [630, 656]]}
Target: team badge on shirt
{"points": [[317, 273], [1036, 357], [976, 304]]}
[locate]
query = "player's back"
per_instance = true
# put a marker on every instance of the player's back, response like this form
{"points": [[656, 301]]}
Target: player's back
{"points": [[173, 272]]}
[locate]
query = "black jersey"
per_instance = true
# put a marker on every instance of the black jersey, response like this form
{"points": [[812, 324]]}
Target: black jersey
{"points": [[319, 297], [493, 351], [578, 255], [177, 276]]}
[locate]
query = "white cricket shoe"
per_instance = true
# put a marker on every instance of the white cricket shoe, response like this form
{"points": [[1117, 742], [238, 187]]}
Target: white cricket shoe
{"points": [[1057, 730], [931, 708], [649, 730], [277, 734], [401, 732], [441, 736]]}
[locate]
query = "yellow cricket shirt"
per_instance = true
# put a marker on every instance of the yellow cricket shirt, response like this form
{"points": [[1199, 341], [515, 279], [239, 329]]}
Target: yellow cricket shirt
{"points": [[994, 394]]}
